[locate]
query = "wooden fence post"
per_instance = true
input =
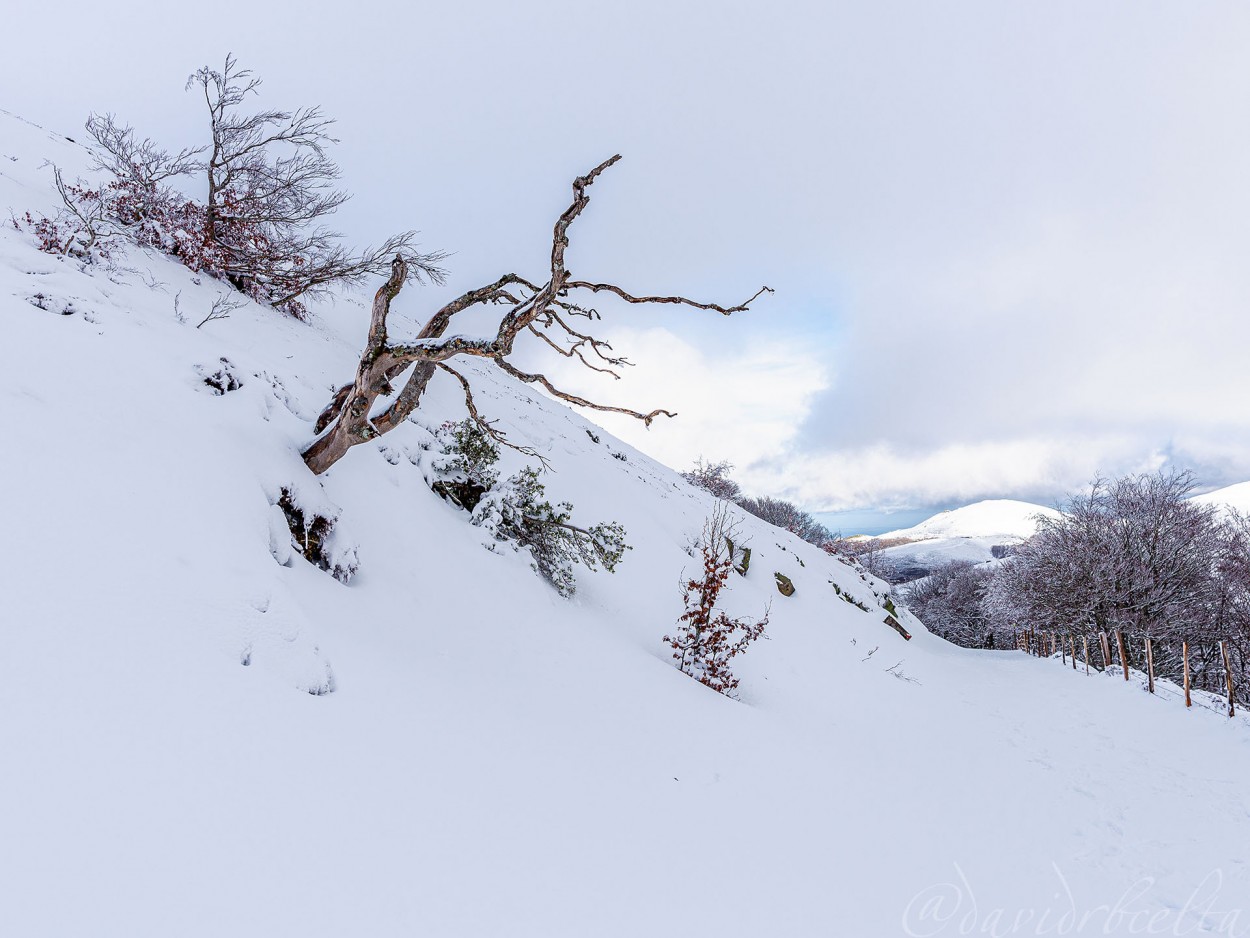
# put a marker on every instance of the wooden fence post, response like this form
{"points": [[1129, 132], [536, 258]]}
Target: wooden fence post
{"points": [[1185, 658], [1085, 645], [1072, 649], [1228, 677], [1106, 651], [1119, 641], [1063, 652], [1150, 667]]}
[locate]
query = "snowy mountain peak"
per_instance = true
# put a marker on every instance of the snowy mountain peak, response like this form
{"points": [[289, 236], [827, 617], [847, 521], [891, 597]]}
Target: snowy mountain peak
{"points": [[994, 517], [1236, 497]]}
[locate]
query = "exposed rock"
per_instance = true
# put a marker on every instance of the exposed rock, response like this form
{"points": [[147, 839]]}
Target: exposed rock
{"points": [[311, 532], [898, 627], [464, 495], [741, 557]]}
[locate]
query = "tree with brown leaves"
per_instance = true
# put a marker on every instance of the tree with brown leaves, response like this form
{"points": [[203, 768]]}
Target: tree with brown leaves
{"points": [[707, 639]]}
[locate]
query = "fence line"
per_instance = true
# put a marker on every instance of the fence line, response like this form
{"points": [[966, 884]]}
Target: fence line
{"points": [[1048, 644]]}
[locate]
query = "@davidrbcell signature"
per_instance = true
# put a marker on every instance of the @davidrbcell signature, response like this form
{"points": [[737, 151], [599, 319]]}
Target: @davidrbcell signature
{"points": [[952, 908]]}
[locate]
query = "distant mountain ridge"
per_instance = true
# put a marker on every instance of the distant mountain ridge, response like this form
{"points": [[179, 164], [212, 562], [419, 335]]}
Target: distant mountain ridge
{"points": [[972, 532], [992, 517]]}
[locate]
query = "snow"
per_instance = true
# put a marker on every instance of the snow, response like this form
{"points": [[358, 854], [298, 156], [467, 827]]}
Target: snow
{"points": [[204, 735], [967, 534], [1236, 497], [996, 517]]}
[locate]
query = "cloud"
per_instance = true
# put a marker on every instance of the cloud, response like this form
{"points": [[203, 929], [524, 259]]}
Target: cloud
{"points": [[1008, 240], [741, 404], [1034, 469]]}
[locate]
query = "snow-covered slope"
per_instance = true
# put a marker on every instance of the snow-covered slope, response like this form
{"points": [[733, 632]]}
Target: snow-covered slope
{"points": [[1235, 496], [995, 517], [969, 533], [200, 740]]}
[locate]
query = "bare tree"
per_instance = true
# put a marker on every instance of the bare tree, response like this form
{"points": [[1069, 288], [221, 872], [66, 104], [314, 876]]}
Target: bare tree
{"points": [[1133, 554], [142, 163], [544, 311], [222, 307], [1137, 556], [789, 516], [950, 602], [713, 477], [870, 554], [270, 185]]}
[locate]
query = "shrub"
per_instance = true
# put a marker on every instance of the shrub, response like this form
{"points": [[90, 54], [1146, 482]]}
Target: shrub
{"points": [[786, 515], [517, 510], [714, 477], [466, 470], [707, 639], [270, 184]]}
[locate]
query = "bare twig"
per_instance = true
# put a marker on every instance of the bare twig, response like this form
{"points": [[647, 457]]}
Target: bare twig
{"points": [[223, 306], [487, 426]]}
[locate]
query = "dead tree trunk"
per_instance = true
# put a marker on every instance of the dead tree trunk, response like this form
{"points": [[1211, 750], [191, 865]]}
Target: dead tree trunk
{"points": [[545, 310]]}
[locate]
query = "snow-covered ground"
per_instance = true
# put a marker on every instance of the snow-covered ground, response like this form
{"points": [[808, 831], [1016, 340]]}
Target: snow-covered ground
{"points": [[1235, 496], [199, 740], [995, 517], [970, 533]]}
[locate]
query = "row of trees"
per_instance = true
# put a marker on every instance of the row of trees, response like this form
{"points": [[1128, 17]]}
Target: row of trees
{"points": [[864, 553], [1135, 555], [714, 477]]}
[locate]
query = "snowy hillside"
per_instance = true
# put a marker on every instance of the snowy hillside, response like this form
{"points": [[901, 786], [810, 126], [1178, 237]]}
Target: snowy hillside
{"points": [[970, 533], [1236, 497], [996, 517], [203, 735]]}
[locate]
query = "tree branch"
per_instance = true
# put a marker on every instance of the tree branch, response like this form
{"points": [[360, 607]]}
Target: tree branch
{"points": [[681, 300], [532, 307], [573, 398], [486, 426]]}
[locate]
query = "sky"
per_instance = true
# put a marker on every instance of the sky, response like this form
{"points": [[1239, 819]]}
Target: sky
{"points": [[1008, 240]]}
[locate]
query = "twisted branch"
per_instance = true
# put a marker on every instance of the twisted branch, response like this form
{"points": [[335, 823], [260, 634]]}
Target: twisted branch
{"points": [[488, 426], [681, 300], [573, 398], [533, 308]]}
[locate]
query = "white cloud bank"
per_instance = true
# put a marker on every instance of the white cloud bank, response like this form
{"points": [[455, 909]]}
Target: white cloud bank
{"points": [[741, 405]]}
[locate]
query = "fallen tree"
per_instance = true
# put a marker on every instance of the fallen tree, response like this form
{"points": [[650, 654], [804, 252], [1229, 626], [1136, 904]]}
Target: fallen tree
{"points": [[544, 310]]}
